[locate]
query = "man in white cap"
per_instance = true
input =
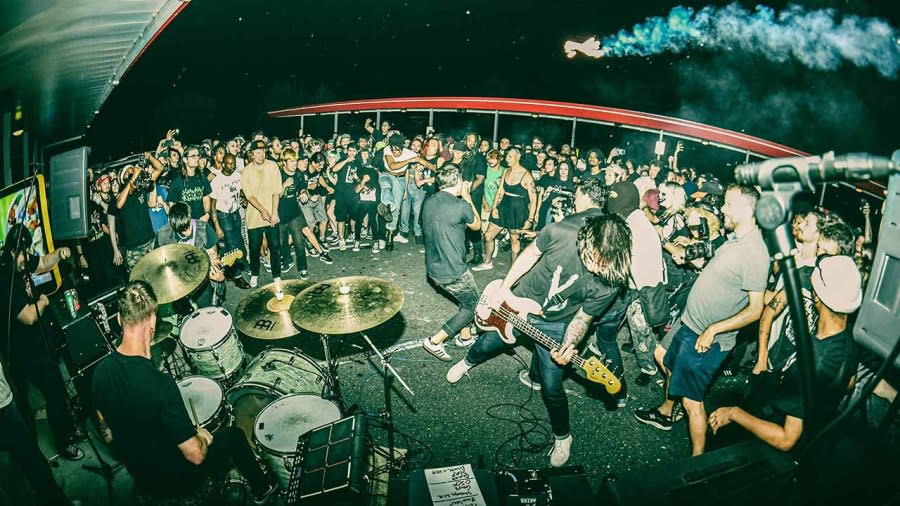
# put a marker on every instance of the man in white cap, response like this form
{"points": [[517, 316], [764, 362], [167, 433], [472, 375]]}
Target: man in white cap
{"points": [[837, 293]]}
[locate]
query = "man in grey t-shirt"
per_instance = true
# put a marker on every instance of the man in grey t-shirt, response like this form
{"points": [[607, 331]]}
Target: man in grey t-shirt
{"points": [[727, 296]]}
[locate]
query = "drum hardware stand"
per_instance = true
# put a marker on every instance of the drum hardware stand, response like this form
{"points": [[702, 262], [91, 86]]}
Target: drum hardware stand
{"points": [[332, 381], [103, 469], [388, 373]]}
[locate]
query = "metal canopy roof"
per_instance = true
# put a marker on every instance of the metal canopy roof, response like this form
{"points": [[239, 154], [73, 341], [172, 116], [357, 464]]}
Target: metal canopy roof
{"points": [[60, 59]]}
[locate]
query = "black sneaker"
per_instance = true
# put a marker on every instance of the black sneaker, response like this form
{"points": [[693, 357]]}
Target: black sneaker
{"points": [[419, 240], [643, 379], [384, 210], [312, 253], [304, 274], [71, 452], [326, 258], [389, 243], [654, 418]]}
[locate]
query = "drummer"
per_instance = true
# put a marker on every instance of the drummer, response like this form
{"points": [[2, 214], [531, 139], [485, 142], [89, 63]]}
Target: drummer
{"points": [[167, 454], [183, 229]]}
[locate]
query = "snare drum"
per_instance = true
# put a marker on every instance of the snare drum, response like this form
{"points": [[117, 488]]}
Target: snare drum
{"points": [[273, 373], [280, 424], [209, 401], [211, 344]]}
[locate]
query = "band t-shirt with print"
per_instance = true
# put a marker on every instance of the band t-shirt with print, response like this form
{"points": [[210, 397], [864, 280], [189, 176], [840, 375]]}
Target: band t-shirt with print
{"points": [[190, 190], [559, 281]]}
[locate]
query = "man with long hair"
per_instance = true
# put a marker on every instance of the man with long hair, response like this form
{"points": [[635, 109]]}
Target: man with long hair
{"points": [[574, 270]]}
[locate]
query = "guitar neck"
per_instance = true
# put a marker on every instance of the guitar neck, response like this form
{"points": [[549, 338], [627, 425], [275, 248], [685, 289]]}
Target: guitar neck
{"points": [[539, 337]]}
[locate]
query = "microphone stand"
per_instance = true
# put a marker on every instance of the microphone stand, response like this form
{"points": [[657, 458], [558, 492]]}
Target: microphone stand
{"points": [[388, 373]]}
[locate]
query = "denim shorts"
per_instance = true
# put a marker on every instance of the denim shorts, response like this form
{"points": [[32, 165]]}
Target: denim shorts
{"points": [[692, 372]]}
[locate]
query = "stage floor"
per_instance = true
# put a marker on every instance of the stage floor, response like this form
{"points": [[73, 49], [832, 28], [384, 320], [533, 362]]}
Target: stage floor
{"points": [[454, 422]]}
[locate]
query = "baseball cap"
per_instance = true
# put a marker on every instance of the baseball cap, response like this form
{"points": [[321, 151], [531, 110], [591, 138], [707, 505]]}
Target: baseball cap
{"points": [[709, 187], [623, 199], [837, 282], [257, 144]]}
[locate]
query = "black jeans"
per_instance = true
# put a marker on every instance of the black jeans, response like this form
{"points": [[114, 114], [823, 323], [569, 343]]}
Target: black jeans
{"points": [[35, 361], [294, 229], [365, 208], [22, 446], [229, 449], [465, 291], [255, 236], [542, 366]]}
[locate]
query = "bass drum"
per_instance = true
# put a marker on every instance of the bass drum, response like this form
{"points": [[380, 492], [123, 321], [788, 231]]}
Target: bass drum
{"points": [[274, 373], [280, 424]]}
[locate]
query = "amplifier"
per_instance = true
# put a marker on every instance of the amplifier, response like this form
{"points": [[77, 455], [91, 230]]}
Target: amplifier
{"points": [[749, 473]]}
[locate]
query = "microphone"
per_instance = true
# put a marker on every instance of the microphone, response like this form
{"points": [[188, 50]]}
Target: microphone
{"points": [[817, 169]]}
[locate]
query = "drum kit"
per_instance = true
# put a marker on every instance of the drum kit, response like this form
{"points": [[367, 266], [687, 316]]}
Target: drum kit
{"points": [[282, 393]]}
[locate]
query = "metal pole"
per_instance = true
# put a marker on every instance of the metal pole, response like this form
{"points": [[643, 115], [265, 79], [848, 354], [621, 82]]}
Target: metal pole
{"points": [[496, 125], [431, 118], [7, 160], [747, 156], [336, 123], [302, 121], [822, 195], [572, 140], [377, 120]]}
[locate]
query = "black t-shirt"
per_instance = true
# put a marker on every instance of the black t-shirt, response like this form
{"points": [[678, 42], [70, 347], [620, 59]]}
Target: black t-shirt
{"points": [[783, 347], [428, 173], [347, 178], [559, 281], [444, 221], [191, 191], [832, 379], [146, 414], [96, 222], [472, 165], [26, 344], [288, 208], [371, 185], [133, 223]]}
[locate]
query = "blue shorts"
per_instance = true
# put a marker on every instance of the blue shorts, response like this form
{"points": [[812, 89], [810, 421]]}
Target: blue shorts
{"points": [[692, 372]]}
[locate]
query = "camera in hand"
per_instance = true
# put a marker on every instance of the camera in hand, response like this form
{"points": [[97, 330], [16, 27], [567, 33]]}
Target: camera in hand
{"points": [[144, 181], [562, 205], [703, 247]]}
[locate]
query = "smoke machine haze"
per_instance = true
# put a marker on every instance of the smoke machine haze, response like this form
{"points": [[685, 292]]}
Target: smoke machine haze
{"points": [[819, 39]]}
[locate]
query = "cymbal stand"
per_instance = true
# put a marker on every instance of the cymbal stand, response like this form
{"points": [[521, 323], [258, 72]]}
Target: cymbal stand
{"points": [[388, 373], [333, 382]]}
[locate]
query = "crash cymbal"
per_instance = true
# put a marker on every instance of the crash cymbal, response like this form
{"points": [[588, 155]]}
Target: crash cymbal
{"points": [[174, 271], [163, 332], [346, 305], [260, 316]]}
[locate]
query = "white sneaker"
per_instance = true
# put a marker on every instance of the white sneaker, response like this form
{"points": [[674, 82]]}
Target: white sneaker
{"points": [[525, 378], [483, 267], [458, 370], [381, 243], [279, 295], [254, 281], [562, 448], [375, 248], [356, 246], [342, 245], [400, 239]]}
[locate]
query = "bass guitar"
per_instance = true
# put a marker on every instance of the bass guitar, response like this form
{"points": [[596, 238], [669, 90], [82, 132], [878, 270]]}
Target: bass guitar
{"points": [[513, 315]]}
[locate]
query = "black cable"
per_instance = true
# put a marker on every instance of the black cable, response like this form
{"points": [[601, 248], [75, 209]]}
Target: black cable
{"points": [[534, 434]]}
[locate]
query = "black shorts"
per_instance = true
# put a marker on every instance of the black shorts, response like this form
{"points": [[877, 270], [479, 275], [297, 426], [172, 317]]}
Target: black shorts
{"points": [[344, 203]]}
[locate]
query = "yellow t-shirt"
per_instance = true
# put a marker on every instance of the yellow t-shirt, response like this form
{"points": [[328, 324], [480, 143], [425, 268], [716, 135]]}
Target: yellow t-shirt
{"points": [[261, 181]]}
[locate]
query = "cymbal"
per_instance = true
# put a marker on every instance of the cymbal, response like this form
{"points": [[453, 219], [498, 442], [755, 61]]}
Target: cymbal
{"points": [[174, 271], [346, 305], [260, 316], [163, 332]]}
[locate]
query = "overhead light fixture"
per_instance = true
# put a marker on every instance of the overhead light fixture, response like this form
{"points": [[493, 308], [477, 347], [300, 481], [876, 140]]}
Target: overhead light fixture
{"points": [[535, 115], [18, 126], [403, 109], [18, 133]]}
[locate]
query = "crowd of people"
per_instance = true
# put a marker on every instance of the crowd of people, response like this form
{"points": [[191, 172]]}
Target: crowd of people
{"points": [[597, 240]]}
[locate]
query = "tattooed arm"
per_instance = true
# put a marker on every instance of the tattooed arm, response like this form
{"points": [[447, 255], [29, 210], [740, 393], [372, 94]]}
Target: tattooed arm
{"points": [[575, 332]]}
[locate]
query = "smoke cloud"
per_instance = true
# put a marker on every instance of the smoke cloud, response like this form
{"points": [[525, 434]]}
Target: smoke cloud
{"points": [[819, 39]]}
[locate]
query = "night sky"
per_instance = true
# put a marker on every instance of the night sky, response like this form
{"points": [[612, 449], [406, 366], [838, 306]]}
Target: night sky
{"points": [[221, 65]]}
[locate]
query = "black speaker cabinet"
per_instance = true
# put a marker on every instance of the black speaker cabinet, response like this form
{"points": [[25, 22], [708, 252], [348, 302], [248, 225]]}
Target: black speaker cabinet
{"points": [[750, 473], [69, 194]]}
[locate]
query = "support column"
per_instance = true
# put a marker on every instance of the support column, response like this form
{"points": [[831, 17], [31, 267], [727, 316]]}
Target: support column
{"points": [[496, 126]]}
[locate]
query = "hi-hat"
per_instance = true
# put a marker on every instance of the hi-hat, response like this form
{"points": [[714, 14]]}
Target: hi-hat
{"points": [[261, 316], [174, 271], [346, 305]]}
